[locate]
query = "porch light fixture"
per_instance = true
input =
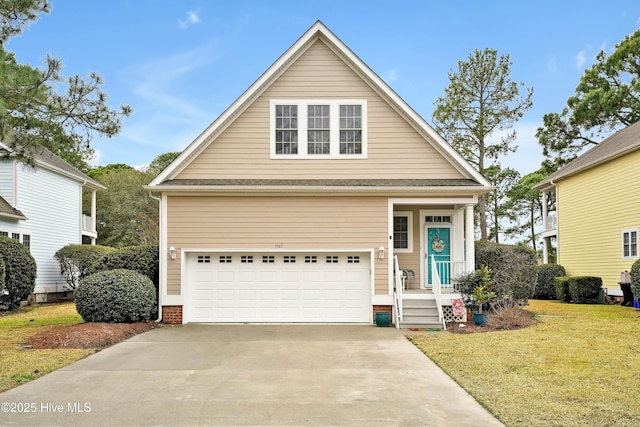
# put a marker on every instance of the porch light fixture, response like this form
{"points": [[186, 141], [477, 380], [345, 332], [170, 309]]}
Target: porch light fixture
{"points": [[381, 252], [172, 252]]}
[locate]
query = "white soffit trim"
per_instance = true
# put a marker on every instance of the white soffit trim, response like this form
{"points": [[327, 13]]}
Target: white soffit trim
{"points": [[318, 29]]}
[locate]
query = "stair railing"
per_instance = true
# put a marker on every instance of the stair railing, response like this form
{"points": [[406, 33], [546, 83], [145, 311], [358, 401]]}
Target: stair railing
{"points": [[397, 292], [437, 290]]}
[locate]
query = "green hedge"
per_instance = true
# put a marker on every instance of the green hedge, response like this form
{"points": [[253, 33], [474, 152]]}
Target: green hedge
{"points": [[585, 289], [562, 288], [19, 273], [513, 267], [545, 284], [76, 260], [143, 259], [120, 296], [635, 279]]}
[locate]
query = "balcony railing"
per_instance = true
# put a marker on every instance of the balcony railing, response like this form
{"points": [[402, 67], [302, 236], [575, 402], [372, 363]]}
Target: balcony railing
{"points": [[551, 222], [88, 224]]}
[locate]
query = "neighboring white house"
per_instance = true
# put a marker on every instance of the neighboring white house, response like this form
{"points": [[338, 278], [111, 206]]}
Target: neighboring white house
{"points": [[41, 206]]}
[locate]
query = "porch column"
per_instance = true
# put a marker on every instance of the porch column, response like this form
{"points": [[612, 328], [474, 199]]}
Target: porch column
{"points": [[545, 227], [469, 237], [93, 215]]}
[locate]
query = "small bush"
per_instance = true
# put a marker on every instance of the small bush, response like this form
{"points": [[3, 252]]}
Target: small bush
{"points": [[76, 260], [635, 279], [120, 296], [562, 288], [513, 266], [143, 259], [508, 314], [545, 284], [585, 289], [19, 273]]}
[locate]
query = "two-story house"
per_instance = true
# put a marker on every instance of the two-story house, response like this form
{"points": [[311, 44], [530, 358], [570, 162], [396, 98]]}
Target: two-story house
{"points": [[319, 195], [41, 206]]}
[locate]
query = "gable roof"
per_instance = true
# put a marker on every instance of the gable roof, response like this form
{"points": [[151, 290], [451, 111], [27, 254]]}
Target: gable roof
{"points": [[618, 144], [317, 31], [9, 212], [47, 160]]}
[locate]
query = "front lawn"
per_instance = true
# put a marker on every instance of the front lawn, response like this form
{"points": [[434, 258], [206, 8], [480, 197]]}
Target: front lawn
{"points": [[18, 362], [577, 365]]}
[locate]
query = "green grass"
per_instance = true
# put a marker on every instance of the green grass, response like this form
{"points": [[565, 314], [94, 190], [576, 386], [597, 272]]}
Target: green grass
{"points": [[577, 365], [18, 364]]}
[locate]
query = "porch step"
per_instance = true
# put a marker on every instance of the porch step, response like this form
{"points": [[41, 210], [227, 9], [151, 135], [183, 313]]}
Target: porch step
{"points": [[420, 313]]}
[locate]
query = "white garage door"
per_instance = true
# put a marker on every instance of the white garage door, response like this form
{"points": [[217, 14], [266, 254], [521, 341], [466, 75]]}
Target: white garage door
{"points": [[278, 287]]}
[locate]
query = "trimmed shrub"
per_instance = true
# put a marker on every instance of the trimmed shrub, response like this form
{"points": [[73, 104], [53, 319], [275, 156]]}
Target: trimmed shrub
{"points": [[3, 270], [119, 296], [585, 289], [19, 273], [634, 274], [513, 266], [143, 259], [76, 260], [562, 288], [545, 284]]}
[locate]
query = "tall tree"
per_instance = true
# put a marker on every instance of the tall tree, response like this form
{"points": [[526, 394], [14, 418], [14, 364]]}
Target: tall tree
{"points": [[525, 207], [481, 101], [496, 201], [606, 99], [41, 107]]}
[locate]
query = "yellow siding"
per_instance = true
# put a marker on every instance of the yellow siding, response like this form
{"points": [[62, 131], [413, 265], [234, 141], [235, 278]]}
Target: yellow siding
{"points": [[593, 209], [277, 222], [395, 149]]}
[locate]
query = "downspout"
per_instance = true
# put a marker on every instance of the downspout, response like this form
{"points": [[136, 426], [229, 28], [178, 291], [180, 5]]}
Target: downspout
{"points": [[159, 319]]}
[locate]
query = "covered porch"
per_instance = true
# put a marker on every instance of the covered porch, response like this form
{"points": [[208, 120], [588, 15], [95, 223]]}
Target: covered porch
{"points": [[431, 244]]}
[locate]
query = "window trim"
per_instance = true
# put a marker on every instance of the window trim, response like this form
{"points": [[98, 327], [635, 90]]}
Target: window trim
{"points": [[630, 245], [334, 120], [409, 216]]}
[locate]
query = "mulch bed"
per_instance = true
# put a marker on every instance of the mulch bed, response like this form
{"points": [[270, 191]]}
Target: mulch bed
{"points": [[89, 335]]}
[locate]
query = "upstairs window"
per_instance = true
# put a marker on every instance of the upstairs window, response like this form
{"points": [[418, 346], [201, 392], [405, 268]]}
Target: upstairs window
{"points": [[313, 129], [318, 133], [286, 129], [350, 129]]}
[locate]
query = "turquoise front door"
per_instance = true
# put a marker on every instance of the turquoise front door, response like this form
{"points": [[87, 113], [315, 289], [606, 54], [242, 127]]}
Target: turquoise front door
{"points": [[439, 249]]}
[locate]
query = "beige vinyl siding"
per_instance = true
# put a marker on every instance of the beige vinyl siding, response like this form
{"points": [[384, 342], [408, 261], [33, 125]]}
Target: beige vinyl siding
{"points": [[395, 149], [593, 209], [278, 223]]}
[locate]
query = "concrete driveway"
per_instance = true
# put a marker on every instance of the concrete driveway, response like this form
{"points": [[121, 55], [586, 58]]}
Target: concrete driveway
{"points": [[286, 375]]}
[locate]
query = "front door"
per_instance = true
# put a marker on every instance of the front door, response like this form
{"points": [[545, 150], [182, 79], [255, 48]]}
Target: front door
{"points": [[439, 249]]}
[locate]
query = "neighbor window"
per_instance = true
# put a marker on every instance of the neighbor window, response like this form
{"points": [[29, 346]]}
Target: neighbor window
{"points": [[26, 240], [630, 243], [402, 231], [314, 129]]}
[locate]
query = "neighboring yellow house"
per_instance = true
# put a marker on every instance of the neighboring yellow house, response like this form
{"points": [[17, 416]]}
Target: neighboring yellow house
{"points": [[293, 205], [598, 209]]}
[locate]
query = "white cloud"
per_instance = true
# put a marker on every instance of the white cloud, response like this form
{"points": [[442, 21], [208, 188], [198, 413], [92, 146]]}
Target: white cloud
{"points": [[552, 65], [528, 156], [97, 157], [392, 75], [192, 18], [580, 59]]}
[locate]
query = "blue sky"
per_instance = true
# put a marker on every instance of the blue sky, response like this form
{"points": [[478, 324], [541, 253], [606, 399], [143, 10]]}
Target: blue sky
{"points": [[179, 64]]}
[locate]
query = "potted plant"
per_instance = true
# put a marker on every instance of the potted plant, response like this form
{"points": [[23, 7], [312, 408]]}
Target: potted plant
{"points": [[481, 296]]}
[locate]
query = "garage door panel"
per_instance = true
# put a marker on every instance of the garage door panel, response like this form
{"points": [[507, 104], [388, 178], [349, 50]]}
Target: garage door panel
{"points": [[285, 288]]}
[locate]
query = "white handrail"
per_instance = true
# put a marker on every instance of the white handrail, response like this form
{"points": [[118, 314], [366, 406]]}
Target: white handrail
{"points": [[397, 291], [437, 292]]}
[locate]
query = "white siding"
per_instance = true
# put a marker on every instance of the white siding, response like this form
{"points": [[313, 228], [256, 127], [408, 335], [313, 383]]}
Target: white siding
{"points": [[52, 205], [6, 181]]}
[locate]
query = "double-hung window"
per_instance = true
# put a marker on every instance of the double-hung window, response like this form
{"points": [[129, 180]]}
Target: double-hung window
{"points": [[312, 129], [403, 232], [630, 244], [286, 129]]}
